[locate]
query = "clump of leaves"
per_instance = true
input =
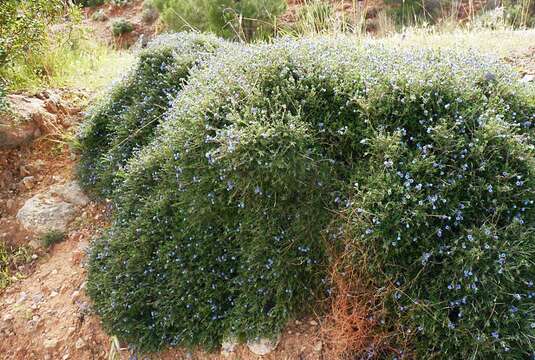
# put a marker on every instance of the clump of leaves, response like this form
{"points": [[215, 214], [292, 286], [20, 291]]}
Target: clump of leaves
{"points": [[121, 26], [52, 237], [125, 119], [419, 162]]}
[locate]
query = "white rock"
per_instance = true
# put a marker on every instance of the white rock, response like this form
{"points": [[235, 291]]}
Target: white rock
{"points": [[80, 344], [528, 78], [262, 346], [8, 317], [50, 343], [228, 347], [53, 209]]}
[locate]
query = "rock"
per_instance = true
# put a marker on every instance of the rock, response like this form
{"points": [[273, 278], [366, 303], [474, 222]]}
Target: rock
{"points": [[80, 344], [10, 203], [20, 124], [53, 209], [528, 78], [262, 346], [50, 343], [71, 193], [75, 296], [28, 182], [8, 317], [51, 106], [313, 322], [34, 244], [228, 347], [318, 346]]}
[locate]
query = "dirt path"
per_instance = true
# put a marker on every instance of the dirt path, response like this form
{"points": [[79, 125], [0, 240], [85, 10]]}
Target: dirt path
{"points": [[47, 314]]}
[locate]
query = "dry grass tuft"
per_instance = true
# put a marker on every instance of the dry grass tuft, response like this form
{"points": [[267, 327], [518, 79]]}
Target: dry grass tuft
{"points": [[350, 328]]}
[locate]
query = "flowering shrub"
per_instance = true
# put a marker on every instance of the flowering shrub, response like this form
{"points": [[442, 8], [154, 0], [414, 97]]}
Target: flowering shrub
{"points": [[121, 26], [124, 120], [418, 162]]}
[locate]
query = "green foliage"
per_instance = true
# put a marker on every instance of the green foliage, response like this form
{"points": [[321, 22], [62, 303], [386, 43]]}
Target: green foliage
{"points": [[24, 26], [519, 13], [52, 237], [89, 3], [244, 19], [273, 153], [124, 120], [4, 105], [314, 17], [10, 260], [121, 26], [414, 12]]}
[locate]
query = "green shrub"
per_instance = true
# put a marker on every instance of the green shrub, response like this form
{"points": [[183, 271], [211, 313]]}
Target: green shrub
{"points": [[89, 3], [24, 26], [314, 17], [125, 118], [415, 12], [244, 19], [121, 26], [223, 220], [52, 237]]}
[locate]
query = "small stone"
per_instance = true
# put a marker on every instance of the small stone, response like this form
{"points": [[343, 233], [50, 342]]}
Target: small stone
{"points": [[262, 346], [228, 347], [75, 296], [318, 346], [10, 204], [34, 244], [23, 296], [313, 323], [80, 344], [297, 322], [53, 294], [28, 182], [528, 78], [8, 317], [34, 257], [50, 343]]}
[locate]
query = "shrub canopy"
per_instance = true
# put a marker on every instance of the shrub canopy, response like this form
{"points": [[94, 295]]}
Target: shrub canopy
{"points": [[123, 121], [419, 162]]}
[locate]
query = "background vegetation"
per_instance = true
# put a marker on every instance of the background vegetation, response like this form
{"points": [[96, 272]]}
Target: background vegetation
{"points": [[245, 20]]}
